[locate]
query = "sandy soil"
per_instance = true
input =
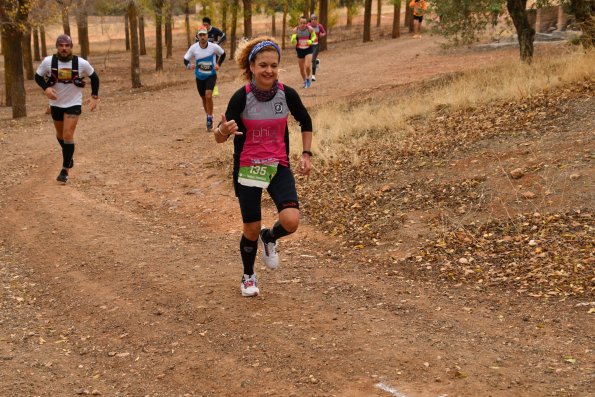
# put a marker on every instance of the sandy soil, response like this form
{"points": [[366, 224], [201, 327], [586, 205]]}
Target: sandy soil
{"points": [[125, 281]]}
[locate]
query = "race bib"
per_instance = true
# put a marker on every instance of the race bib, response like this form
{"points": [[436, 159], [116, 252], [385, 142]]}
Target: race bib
{"points": [[258, 175], [65, 74], [205, 67]]}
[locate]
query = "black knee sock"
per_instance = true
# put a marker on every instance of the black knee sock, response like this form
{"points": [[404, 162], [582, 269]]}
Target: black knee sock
{"points": [[314, 67], [61, 142], [275, 233], [248, 251], [67, 153]]}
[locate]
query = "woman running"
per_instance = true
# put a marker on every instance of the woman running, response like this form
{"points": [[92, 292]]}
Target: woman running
{"points": [[257, 116], [303, 36], [320, 32]]}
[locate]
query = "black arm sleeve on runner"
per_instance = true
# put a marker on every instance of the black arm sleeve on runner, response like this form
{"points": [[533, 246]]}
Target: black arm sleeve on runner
{"points": [[94, 84], [297, 109], [221, 59], [40, 80], [235, 107], [222, 39], [186, 62]]}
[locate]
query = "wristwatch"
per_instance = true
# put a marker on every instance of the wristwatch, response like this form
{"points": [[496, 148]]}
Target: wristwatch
{"points": [[94, 96]]}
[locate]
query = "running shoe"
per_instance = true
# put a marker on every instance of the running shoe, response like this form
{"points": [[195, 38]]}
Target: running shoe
{"points": [[308, 83], [249, 285], [313, 78], [62, 176], [209, 123], [305, 84], [269, 251]]}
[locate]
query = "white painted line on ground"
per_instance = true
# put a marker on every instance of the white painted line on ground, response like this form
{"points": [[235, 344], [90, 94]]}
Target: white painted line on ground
{"points": [[389, 389]]}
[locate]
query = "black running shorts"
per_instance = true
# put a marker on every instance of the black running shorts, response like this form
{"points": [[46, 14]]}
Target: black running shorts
{"points": [[302, 52], [206, 85], [58, 113], [281, 189], [418, 18]]}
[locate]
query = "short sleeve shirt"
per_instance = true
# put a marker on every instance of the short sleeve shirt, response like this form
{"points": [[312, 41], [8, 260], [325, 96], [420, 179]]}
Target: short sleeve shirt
{"points": [[205, 59], [67, 94]]}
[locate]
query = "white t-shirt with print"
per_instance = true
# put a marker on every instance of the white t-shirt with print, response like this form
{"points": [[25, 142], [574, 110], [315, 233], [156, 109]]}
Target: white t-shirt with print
{"points": [[67, 94]]}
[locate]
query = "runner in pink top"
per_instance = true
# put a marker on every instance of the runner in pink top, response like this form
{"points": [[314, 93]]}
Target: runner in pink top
{"points": [[257, 116], [303, 36], [320, 32]]}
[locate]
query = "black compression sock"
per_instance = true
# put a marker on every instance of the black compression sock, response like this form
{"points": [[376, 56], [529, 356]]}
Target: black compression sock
{"points": [[248, 251], [67, 153], [275, 233], [61, 142]]}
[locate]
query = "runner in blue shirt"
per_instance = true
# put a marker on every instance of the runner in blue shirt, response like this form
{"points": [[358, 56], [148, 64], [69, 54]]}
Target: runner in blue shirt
{"points": [[207, 57]]}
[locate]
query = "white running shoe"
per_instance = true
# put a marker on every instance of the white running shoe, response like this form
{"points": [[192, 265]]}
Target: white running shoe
{"points": [[313, 78], [269, 252], [249, 285]]}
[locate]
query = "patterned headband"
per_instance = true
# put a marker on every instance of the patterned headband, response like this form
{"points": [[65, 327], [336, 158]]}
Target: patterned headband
{"points": [[258, 47]]}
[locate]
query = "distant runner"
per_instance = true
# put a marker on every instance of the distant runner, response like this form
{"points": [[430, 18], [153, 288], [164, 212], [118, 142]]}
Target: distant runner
{"points": [[208, 57], [320, 32], [215, 35], [303, 36], [419, 9], [257, 116]]}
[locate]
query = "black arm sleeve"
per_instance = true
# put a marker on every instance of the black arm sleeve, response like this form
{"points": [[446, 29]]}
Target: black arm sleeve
{"points": [[235, 107], [94, 84], [222, 38], [40, 80], [221, 59], [297, 109], [186, 62]]}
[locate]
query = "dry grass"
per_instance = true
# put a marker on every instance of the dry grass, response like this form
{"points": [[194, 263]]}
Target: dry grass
{"points": [[349, 127]]}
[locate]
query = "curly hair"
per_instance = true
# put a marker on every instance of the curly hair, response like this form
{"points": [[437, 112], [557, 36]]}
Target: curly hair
{"points": [[244, 49]]}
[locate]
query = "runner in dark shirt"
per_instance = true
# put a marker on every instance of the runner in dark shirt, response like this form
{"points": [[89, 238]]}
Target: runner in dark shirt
{"points": [[257, 116]]}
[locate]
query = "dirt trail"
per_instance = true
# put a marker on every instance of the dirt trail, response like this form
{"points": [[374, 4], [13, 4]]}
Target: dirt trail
{"points": [[125, 282]]}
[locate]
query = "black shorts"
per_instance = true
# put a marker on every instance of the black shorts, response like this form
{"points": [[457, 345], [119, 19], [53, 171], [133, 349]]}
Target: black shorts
{"points": [[418, 18], [58, 113], [302, 52], [281, 189], [206, 85]]}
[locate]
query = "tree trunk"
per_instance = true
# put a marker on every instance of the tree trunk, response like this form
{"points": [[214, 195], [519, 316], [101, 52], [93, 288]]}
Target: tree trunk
{"points": [[7, 66], [28, 54], [65, 21], [584, 11], [378, 13], [284, 27], [323, 18], [168, 30], [127, 31], [13, 54], [526, 34], [273, 27], [312, 8], [234, 27], [367, 20], [408, 17], [36, 51], [247, 18], [187, 22], [158, 35], [306, 8], [348, 5], [141, 34], [44, 48], [224, 8], [134, 50], [397, 19], [83, 29]]}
